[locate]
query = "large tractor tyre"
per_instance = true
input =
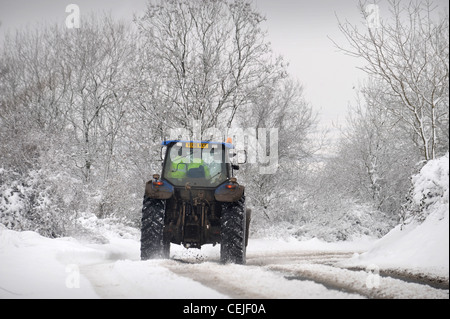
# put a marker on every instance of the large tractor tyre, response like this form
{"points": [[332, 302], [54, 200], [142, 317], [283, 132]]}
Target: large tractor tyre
{"points": [[233, 232], [153, 243], [248, 217]]}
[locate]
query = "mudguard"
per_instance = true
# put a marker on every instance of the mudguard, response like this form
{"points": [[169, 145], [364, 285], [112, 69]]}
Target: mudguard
{"points": [[164, 191], [224, 194]]}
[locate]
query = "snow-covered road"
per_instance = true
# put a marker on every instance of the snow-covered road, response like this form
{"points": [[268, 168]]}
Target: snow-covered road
{"points": [[285, 275], [32, 266]]}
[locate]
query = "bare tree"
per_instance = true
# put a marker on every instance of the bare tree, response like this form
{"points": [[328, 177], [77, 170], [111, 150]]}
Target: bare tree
{"points": [[277, 197], [96, 69], [208, 59], [376, 156], [31, 91], [410, 53], [66, 97]]}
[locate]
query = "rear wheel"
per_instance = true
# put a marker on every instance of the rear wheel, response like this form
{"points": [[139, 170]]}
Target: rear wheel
{"points": [[247, 227], [153, 242], [233, 232]]}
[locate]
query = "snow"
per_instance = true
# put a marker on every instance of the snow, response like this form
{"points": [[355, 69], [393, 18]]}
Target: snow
{"points": [[419, 247], [293, 244], [103, 262], [33, 266], [30, 266], [145, 279]]}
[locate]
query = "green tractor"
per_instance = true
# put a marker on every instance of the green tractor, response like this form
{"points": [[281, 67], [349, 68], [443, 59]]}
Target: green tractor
{"points": [[195, 201]]}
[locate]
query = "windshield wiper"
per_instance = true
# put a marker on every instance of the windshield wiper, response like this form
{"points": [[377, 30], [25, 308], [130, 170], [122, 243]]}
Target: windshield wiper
{"points": [[219, 173]]}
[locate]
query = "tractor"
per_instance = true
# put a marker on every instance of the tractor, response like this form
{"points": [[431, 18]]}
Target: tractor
{"points": [[196, 201]]}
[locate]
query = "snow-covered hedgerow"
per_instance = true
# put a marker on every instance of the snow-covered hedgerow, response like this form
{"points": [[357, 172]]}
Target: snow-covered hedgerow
{"points": [[29, 203], [421, 242], [346, 221], [429, 192], [340, 220]]}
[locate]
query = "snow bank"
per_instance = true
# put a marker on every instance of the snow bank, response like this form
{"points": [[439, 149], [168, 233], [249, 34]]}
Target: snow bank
{"points": [[431, 188], [30, 202], [32, 266], [422, 244], [314, 244]]}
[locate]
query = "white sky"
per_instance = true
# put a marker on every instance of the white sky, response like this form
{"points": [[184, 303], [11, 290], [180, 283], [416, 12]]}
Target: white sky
{"points": [[297, 29]]}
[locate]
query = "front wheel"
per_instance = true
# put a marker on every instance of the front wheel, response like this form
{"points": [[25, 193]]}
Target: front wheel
{"points": [[233, 232], [153, 242]]}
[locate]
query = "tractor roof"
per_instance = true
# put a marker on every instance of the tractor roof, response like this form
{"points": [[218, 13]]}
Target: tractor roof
{"points": [[228, 145]]}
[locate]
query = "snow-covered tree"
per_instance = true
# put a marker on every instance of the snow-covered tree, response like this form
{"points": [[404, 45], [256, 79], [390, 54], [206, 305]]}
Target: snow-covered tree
{"points": [[408, 50], [203, 60], [277, 197]]}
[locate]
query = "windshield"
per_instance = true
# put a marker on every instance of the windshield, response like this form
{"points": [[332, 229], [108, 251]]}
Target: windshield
{"points": [[200, 164]]}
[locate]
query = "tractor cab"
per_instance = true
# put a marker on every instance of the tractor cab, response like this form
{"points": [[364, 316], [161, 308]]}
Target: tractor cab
{"points": [[201, 164], [195, 201]]}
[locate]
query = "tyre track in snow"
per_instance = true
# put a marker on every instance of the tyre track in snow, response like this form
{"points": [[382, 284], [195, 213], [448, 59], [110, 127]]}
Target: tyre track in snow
{"points": [[253, 282], [286, 275], [268, 274], [437, 282], [361, 282], [213, 276], [321, 267]]}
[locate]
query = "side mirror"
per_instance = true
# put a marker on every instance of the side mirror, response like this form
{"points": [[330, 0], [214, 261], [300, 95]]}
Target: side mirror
{"points": [[241, 156], [163, 152]]}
